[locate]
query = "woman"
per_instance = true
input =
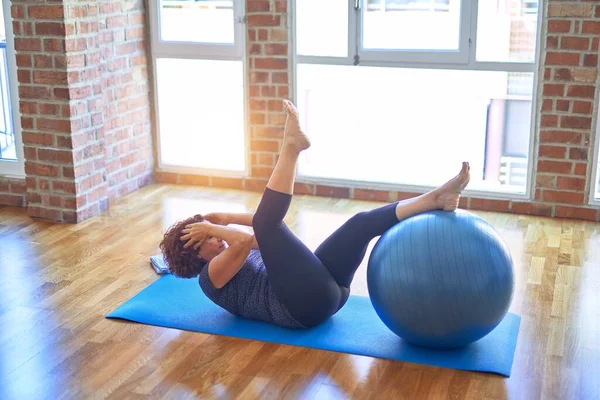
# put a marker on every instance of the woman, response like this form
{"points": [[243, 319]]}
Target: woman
{"points": [[271, 275]]}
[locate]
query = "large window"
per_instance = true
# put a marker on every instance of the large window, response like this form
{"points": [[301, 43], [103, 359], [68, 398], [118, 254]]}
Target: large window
{"points": [[11, 147], [407, 89], [197, 51]]}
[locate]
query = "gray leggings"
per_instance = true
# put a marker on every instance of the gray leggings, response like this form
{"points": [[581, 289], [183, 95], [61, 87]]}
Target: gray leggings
{"points": [[314, 286]]}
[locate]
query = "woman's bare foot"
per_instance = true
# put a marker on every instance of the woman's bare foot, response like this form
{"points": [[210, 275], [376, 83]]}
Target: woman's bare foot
{"points": [[447, 196], [293, 136]]}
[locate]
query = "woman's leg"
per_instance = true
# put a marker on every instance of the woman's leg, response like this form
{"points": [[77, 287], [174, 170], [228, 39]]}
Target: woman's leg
{"points": [[297, 276], [294, 141], [344, 250]]}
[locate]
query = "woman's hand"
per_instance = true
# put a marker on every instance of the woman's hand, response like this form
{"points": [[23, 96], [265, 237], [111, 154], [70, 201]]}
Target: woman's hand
{"points": [[195, 234], [218, 218]]}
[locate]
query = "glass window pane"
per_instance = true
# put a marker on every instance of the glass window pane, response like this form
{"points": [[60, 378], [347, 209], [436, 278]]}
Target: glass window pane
{"points": [[507, 30], [8, 149], [201, 113], [402, 131], [322, 28], [597, 191], [197, 21], [411, 24]]}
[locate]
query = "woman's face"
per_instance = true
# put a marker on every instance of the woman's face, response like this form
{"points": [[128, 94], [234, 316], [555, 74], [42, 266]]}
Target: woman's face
{"points": [[211, 248]]}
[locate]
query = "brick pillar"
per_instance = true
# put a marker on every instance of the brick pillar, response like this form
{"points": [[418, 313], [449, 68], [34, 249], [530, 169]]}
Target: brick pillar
{"points": [[268, 71], [39, 31], [84, 103], [569, 102]]}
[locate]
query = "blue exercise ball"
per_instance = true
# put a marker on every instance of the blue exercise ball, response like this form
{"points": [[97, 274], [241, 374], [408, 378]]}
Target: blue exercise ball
{"points": [[441, 279]]}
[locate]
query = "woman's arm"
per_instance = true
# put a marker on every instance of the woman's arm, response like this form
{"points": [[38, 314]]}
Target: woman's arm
{"points": [[195, 233], [241, 219], [224, 266], [230, 218]]}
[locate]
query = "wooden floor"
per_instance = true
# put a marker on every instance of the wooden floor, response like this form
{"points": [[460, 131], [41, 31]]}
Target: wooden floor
{"points": [[59, 281]]}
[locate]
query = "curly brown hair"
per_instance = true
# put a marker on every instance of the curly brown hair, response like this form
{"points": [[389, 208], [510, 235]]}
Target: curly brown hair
{"points": [[183, 263]]}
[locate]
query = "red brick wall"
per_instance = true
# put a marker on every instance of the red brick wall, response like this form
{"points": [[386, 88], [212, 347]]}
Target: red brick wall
{"points": [[565, 133], [39, 31], [125, 96], [569, 101], [267, 49], [84, 102], [12, 192]]}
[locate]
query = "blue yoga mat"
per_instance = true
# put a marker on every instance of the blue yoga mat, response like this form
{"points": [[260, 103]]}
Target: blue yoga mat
{"points": [[180, 303]]}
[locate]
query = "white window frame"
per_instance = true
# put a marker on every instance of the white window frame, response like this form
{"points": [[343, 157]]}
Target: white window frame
{"points": [[459, 56], [199, 51], [595, 162], [13, 168], [395, 59]]}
